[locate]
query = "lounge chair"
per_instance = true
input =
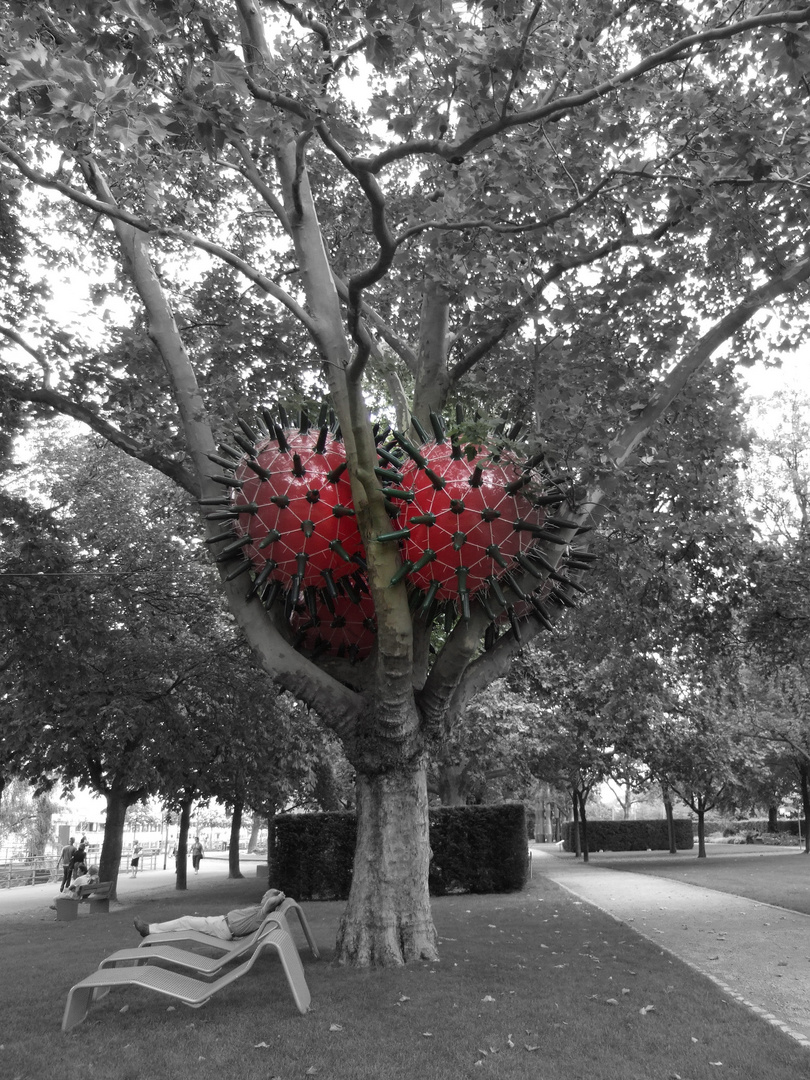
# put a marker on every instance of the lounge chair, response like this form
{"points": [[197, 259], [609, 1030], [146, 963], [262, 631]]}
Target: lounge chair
{"points": [[207, 967], [197, 937], [192, 992]]}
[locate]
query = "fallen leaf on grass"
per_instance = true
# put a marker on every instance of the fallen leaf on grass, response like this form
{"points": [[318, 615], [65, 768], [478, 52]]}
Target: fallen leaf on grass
{"points": [[311, 1070], [646, 1009], [403, 997], [257, 1045], [336, 1027], [509, 1042], [428, 1034], [124, 1008], [611, 1001], [531, 1049], [489, 997], [719, 1062]]}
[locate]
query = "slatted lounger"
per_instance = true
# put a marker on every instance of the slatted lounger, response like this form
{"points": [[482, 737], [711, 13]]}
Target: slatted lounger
{"points": [[191, 992], [196, 937]]}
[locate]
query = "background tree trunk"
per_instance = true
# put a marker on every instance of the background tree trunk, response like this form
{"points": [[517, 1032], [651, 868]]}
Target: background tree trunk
{"points": [[805, 770], [388, 921], [181, 863], [255, 829], [581, 798], [577, 837], [110, 859], [673, 847], [701, 816], [233, 843], [452, 786]]}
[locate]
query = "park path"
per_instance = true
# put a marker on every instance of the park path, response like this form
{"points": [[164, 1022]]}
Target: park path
{"points": [[34, 900], [758, 953]]}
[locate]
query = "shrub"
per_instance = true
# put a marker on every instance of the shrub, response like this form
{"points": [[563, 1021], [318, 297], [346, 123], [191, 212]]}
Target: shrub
{"points": [[476, 849], [639, 835]]}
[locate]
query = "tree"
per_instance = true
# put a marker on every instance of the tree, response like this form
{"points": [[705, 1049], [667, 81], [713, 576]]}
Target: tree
{"points": [[571, 196], [26, 817]]}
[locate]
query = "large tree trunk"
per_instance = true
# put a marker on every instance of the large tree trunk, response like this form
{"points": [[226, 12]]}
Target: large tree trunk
{"points": [[118, 802], [577, 837], [388, 921], [233, 843]]}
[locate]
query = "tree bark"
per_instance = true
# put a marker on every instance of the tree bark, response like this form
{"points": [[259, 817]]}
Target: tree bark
{"points": [[388, 921], [577, 837], [233, 843]]}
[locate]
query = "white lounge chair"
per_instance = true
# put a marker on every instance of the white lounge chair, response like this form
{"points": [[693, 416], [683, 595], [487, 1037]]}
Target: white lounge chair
{"points": [[192, 992]]}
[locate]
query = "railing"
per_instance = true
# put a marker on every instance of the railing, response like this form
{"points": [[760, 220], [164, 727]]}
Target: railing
{"points": [[33, 870]]}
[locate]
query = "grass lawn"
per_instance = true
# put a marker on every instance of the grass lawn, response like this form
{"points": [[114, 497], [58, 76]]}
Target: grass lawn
{"points": [[782, 879], [530, 985]]}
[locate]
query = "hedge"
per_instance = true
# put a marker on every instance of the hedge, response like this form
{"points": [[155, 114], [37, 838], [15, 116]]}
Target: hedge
{"points": [[476, 849], [758, 825], [639, 835]]}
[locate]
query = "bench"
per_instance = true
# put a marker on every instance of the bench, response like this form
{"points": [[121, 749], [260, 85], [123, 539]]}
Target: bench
{"points": [[97, 897]]}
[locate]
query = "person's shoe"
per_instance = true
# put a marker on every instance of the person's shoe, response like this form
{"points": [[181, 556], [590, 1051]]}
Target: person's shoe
{"points": [[141, 926]]}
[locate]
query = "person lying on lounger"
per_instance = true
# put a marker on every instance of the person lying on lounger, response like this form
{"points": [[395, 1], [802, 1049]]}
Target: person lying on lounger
{"points": [[237, 923]]}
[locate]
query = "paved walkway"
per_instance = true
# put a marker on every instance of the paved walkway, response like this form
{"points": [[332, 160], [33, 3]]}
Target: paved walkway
{"points": [[757, 953], [34, 900]]}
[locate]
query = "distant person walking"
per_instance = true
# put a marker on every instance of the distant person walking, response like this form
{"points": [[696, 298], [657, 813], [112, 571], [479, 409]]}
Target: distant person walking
{"points": [[135, 859], [197, 853], [66, 863]]}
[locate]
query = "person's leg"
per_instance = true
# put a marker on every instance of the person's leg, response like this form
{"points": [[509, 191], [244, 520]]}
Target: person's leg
{"points": [[215, 925]]}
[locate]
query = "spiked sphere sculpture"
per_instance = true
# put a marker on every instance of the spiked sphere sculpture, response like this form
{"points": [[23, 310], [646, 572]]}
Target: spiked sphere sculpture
{"points": [[467, 522], [342, 626], [290, 513], [465, 525]]}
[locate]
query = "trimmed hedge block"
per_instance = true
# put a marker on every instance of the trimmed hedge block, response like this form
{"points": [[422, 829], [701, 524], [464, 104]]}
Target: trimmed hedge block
{"points": [[639, 835], [476, 849]]}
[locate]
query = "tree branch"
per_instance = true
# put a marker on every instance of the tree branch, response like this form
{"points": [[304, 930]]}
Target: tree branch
{"points": [[175, 470]]}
